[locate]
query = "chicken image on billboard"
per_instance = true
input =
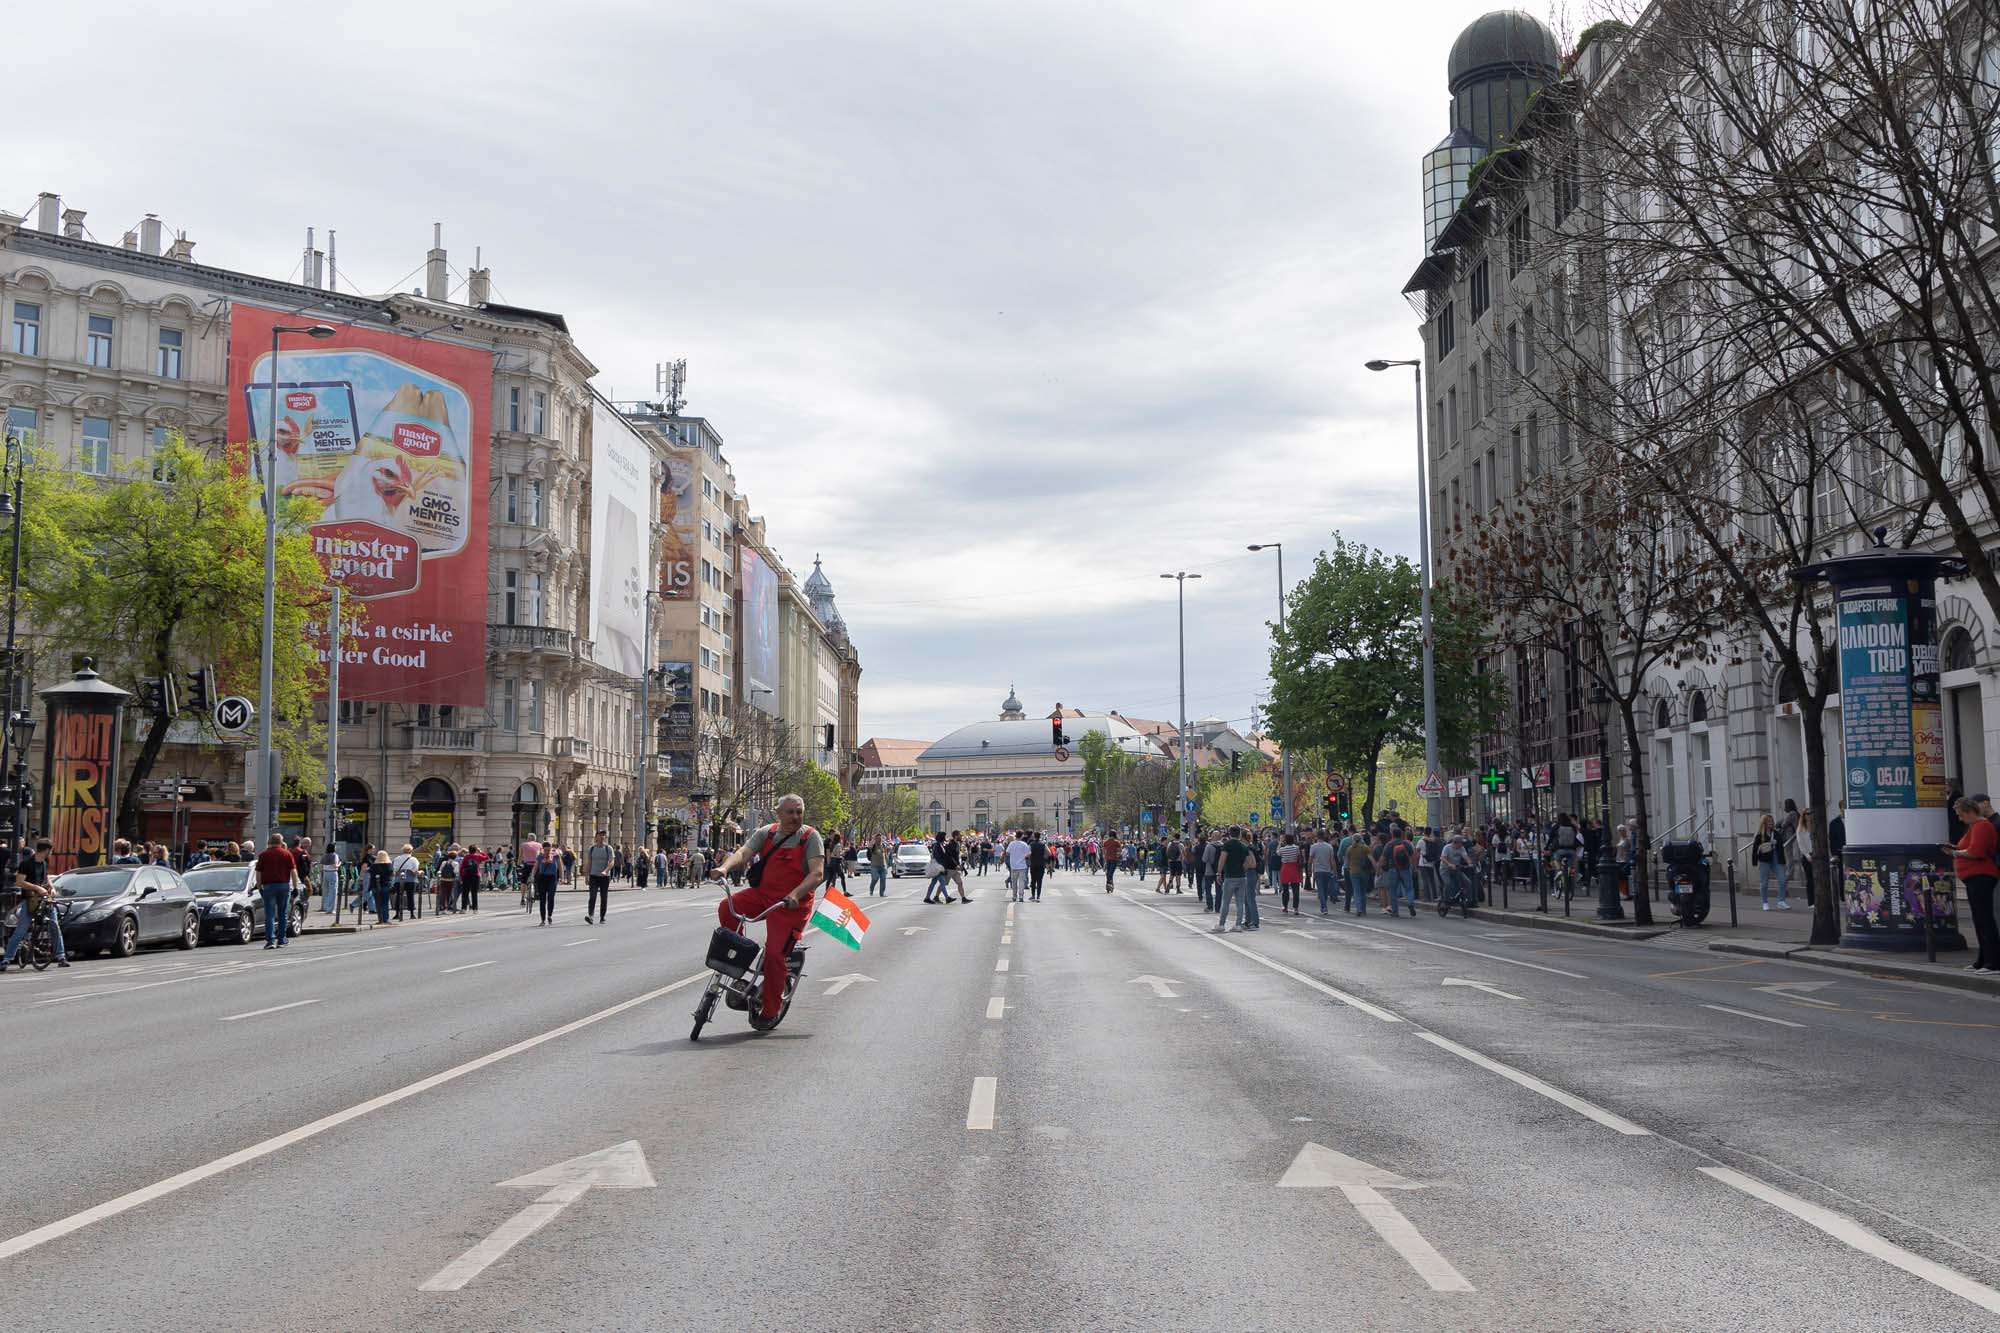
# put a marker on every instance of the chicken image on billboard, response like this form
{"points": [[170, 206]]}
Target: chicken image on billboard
{"points": [[620, 492], [390, 434]]}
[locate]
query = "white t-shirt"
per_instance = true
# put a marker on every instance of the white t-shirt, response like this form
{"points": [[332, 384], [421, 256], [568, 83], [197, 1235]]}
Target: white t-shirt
{"points": [[1017, 855]]}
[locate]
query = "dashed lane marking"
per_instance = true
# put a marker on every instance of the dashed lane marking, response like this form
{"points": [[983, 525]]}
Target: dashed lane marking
{"points": [[1745, 1013], [979, 1114], [276, 1008]]}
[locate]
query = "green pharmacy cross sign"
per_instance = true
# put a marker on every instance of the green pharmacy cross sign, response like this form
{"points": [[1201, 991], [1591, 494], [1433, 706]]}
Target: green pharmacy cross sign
{"points": [[1494, 780]]}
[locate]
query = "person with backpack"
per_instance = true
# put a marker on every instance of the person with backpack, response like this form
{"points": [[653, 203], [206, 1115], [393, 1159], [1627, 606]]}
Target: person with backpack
{"points": [[1360, 873], [1399, 862], [405, 876], [1291, 873], [548, 869], [471, 868], [447, 879]]}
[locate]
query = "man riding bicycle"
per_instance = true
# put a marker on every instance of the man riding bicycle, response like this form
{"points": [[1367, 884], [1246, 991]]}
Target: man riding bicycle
{"points": [[31, 878], [785, 862]]}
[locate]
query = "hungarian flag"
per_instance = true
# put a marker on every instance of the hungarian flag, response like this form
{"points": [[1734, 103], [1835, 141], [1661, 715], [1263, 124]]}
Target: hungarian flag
{"points": [[837, 917]]}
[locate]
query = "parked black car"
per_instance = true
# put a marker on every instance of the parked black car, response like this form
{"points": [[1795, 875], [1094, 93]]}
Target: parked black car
{"points": [[230, 903], [119, 908]]}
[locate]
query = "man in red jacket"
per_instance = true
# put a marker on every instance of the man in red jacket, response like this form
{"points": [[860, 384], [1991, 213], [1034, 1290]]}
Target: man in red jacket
{"points": [[793, 859]]}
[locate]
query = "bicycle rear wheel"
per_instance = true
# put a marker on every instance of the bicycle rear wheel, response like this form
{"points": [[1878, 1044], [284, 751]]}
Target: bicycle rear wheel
{"points": [[41, 946]]}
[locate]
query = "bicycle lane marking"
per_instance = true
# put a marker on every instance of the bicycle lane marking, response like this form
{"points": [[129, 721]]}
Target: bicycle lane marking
{"points": [[124, 1203]]}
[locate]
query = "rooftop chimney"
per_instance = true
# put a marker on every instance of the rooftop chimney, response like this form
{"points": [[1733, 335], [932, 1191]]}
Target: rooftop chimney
{"points": [[130, 240], [317, 279], [182, 249], [437, 277], [73, 223], [149, 234], [478, 281], [48, 208], [331, 276]]}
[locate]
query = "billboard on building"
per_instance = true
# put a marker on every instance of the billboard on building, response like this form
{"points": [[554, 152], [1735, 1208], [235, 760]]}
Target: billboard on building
{"points": [[620, 487], [680, 515], [677, 729], [390, 433], [759, 640]]}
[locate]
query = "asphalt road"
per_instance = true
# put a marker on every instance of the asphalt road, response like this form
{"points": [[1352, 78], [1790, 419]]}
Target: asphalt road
{"points": [[1088, 1112]]}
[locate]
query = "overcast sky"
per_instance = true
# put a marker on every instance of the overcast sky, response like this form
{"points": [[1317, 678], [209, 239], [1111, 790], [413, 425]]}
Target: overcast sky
{"points": [[1001, 308]]}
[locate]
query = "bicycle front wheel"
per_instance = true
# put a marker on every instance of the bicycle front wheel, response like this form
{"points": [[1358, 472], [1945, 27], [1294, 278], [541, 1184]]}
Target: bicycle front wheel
{"points": [[41, 948]]}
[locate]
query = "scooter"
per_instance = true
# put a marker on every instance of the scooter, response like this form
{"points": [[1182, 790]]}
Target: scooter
{"points": [[737, 962]]}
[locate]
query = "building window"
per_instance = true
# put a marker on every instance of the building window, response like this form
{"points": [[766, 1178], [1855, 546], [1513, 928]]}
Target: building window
{"points": [[510, 597], [351, 712], [532, 506], [1492, 479], [1472, 392], [1455, 501], [27, 328], [540, 424], [531, 599], [167, 359], [1528, 354], [534, 692], [1447, 330], [1514, 348], [156, 443], [95, 457], [1478, 487], [1514, 454], [97, 342], [514, 409], [1534, 445], [513, 499], [1481, 288], [1518, 252], [21, 426]]}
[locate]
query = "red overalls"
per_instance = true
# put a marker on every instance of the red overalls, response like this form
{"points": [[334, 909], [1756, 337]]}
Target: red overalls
{"points": [[784, 870]]}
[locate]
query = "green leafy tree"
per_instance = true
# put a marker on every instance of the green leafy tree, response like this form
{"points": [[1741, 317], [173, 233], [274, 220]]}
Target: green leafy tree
{"points": [[1236, 796], [892, 810], [826, 804], [161, 570], [1104, 768], [1347, 669]]}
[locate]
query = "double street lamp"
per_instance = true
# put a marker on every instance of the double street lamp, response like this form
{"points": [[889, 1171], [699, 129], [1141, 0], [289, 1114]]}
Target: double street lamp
{"points": [[1433, 806], [1284, 751], [13, 763], [264, 817], [1183, 773]]}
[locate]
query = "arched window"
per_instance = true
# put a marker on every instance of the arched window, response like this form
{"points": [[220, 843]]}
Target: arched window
{"points": [[1697, 707], [527, 794], [1663, 717], [981, 815], [936, 813], [1955, 653]]}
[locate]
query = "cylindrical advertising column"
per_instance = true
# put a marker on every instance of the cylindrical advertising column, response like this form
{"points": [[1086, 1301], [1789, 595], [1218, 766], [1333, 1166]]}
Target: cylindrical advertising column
{"points": [[1894, 873], [80, 769]]}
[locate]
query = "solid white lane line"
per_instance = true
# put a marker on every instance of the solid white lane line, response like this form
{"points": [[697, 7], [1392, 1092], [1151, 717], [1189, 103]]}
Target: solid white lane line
{"points": [[1591, 1110], [1000, 966], [1745, 1013], [573, 943], [1440, 944], [1852, 1233], [996, 1007], [42, 1235], [467, 967], [276, 1008], [1353, 1001], [979, 1115]]}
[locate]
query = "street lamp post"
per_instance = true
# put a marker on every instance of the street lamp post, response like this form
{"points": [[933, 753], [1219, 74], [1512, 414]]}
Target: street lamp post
{"points": [[12, 505], [648, 737], [1432, 807], [1181, 769], [1284, 751], [264, 817]]}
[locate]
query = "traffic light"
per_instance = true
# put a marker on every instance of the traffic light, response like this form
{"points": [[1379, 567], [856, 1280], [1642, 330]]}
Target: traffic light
{"points": [[1343, 808], [201, 690], [1056, 733], [1236, 761]]}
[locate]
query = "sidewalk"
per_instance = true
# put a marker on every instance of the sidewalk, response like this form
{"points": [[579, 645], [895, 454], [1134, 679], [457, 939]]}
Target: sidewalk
{"points": [[1758, 933], [495, 901]]}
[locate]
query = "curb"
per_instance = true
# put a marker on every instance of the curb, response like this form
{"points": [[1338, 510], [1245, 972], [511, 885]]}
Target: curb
{"points": [[1988, 984], [1757, 948], [1574, 925], [328, 930]]}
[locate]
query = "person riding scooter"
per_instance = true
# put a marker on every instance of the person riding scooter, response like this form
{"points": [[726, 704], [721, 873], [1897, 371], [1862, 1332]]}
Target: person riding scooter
{"points": [[782, 862]]}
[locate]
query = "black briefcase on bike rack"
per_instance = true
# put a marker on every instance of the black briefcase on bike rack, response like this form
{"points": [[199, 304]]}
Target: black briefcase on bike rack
{"points": [[730, 953]]}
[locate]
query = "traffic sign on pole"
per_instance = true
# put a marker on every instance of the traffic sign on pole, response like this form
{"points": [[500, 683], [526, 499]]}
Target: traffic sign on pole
{"points": [[1431, 787], [234, 713], [1336, 784]]}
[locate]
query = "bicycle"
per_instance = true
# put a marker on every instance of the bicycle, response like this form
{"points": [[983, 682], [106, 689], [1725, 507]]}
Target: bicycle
{"points": [[1563, 881], [39, 948], [1455, 890], [736, 960]]}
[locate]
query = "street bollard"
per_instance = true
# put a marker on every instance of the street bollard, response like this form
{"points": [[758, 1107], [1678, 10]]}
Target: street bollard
{"points": [[1608, 908], [1541, 885], [1569, 880], [1732, 890]]}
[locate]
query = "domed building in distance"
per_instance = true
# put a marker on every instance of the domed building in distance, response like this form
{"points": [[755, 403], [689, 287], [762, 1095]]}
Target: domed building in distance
{"points": [[1005, 773]]}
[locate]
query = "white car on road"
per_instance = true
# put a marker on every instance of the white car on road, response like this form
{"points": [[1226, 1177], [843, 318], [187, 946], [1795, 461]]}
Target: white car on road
{"points": [[911, 858]]}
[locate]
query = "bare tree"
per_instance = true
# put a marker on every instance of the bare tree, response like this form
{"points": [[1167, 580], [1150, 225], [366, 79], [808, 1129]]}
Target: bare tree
{"points": [[738, 762]]}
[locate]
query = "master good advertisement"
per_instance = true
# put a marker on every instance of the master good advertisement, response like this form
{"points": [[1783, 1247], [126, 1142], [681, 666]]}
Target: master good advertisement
{"points": [[620, 483], [760, 632], [390, 433], [679, 519]]}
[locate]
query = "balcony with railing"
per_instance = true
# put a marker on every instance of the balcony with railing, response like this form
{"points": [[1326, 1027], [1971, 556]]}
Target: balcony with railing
{"points": [[570, 747], [444, 740], [531, 639]]}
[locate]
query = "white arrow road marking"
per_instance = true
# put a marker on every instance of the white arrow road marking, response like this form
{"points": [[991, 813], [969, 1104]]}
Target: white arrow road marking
{"points": [[619, 1167], [1480, 985], [914, 930], [979, 1113], [1784, 991], [1322, 1168], [1161, 986], [1103, 930], [259, 1013], [1745, 1013], [840, 983], [1850, 1232]]}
